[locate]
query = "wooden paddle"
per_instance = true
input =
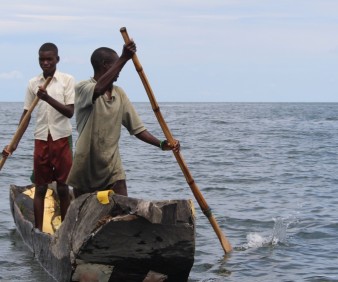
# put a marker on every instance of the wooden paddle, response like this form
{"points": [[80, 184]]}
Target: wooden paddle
{"points": [[23, 124], [199, 197]]}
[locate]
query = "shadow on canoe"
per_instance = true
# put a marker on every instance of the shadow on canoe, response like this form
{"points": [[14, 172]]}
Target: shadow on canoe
{"points": [[125, 239]]}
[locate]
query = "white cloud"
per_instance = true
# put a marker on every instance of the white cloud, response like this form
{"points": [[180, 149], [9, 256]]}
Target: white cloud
{"points": [[49, 18], [11, 75]]}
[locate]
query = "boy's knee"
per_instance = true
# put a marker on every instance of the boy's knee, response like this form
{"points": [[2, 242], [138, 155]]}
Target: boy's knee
{"points": [[62, 190], [41, 190]]}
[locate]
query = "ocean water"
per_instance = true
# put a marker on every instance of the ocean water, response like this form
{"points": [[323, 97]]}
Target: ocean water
{"points": [[269, 171]]}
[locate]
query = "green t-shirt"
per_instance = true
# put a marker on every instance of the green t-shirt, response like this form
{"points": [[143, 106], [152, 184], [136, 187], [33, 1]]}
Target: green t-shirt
{"points": [[97, 162]]}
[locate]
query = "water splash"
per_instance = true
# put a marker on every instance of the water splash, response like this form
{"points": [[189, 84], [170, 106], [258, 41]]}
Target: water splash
{"points": [[279, 231], [278, 236], [256, 240]]}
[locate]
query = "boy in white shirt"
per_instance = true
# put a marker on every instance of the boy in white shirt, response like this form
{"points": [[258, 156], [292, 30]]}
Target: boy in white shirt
{"points": [[53, 132]]}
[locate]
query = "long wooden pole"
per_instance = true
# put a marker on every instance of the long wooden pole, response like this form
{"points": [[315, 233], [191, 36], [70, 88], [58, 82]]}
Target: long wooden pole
{"points": [[24, 122], [199, 197]]}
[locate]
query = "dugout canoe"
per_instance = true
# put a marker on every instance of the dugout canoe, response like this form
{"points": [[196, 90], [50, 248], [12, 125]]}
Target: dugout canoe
{"points": [[124, 239]]}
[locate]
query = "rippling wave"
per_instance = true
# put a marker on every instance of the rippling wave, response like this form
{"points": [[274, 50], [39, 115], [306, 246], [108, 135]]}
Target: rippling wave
{"points": [[267, 170]]}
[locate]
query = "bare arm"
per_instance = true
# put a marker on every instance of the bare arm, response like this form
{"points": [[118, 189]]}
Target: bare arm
{"points": [[66, 110], [105, 82], [147, 137]]}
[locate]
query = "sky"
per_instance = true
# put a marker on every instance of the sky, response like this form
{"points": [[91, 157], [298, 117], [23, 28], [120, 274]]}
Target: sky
{"points": [[190, 50]]}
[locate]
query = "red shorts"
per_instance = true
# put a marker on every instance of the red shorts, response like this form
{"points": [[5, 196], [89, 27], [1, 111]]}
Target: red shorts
{"points": [[52, 160]]}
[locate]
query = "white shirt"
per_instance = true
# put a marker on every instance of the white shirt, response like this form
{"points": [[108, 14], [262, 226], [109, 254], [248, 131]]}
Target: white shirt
{"points": [[48, 119]]}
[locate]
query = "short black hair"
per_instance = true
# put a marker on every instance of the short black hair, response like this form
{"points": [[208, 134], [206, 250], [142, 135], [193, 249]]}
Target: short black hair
{"points": [[49, 47], [101, 54]]}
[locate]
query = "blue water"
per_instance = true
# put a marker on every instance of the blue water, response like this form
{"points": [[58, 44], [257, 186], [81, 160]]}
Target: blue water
{"points": [[267, 170]]}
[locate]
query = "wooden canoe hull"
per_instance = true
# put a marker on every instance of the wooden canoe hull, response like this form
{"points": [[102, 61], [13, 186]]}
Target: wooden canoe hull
{"points": [[127, 239]]}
